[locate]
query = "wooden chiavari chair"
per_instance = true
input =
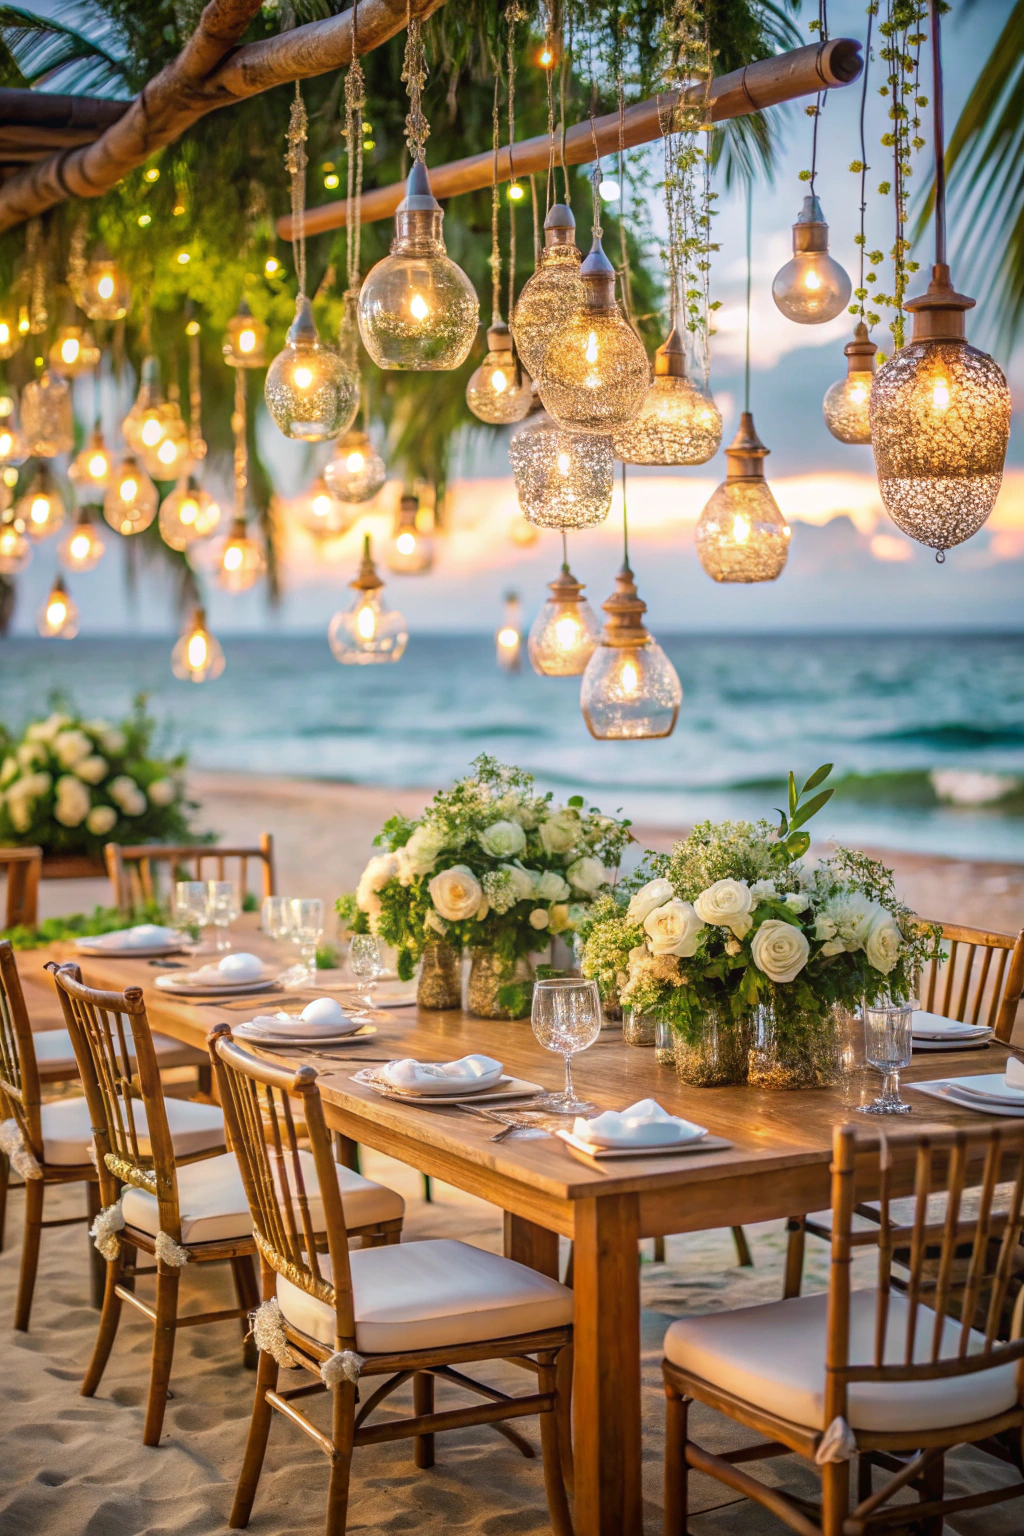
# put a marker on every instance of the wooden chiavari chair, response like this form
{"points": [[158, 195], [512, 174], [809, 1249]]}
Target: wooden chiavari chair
{"points": [[888, 1376], [24, 867], [415, 1311], [135, 872]]}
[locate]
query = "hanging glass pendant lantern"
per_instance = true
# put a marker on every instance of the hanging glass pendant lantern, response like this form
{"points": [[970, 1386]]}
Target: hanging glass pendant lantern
{"points": [[357, 471], [812, 287], [410, 552], [144, 426], [90, 468], [678, 423], [847, 403], [553, 294], [41, 508], [10, 336], [508, 641], [563, 479], [241, 562], [630, 689], [83, 547], [367, 631], [15, 548], [320, 512], [47, 421], [172, 456], [103, 292], [595, 375], [57, 619], [186, 514], [197, 655], [418, 311], [130, 503], [12, 448], [245, 340], [498, 392], [741, 534], [565, 632], [73, 351], [309, 392]]}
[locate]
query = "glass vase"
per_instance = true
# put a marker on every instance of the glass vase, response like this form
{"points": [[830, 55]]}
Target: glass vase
{"points": [[664, 1044], [796, 1047], [440, 983], [717, 1055], [488, 973], [638, 1028]]}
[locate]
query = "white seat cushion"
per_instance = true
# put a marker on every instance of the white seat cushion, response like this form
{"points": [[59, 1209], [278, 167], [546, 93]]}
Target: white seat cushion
{"points": [[67, 1129], [212, 1203], [773, 1356], [55, 1053], [432, 1294]]}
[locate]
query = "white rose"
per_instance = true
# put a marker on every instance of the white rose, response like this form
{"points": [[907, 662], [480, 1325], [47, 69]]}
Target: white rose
{"points": [[127, 794], [19, 810], [727, 904], [673, 929], [550, 886], [31, 786], [586, 875], [560, 832], [375, 876], [162, 792], [503, 839], [71, 747], [798, 901], [779, 950], [113, 742], [46, 730], [30, 753], [522, 881], [101, 820], [539, 918], [833, 947], [73, 801], [883, 944], [420, 853], [9, 770], [92, 769], [654, 894], [456, 893], [559, 915], [763, 890]]}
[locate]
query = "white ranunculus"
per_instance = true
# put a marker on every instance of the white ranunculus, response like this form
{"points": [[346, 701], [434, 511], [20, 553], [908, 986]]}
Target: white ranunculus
{"points": [[73, 801], [798, 901], [162, 792], [31, 786], [539, 918], [833, 947], [522, 881], [456, 893], [727, 904], [126, 793], [9, 771], [848, 917], [382, 868], [71, 747], [46, 730], [420, 853], [92, 769], [101, 820], [550, 886], [560, 832], [673, 929], [503, 839], [883, 943], [763, 890], [586, 875], [113, 742], [559, 915], [654, 894], [779, 949], [29, 753]]}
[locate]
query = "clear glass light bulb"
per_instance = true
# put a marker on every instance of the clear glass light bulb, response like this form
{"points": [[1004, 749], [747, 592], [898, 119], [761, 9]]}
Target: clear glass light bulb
{"points": [[678, 423], [409, 552], [553, 294], [104, 293], [357, 471], [143, 426], [15, 548], [130, 503], [167, 446], [309, 391], [41, 508], [241, 561], [563, 479], [319, 511], [508, 640], [417, 309], [245, 341], [498, 392], [630, 689], [73, 351], [90, 468], [197, 656], [187, 513], [12, 448], [812, 288], [10, 340], [741, 535], [57, 619], [846, 406], [367, 631], [47, 421], [84, 547], [565, 632]]}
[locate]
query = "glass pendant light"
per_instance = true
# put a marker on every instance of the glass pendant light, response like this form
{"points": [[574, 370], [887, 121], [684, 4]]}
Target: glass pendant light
{"points": [[91, 466], [812, 288], [367, 631], [508, 641], [241, 561], [47, 421], [73, 351], [131, 500], [41, 508], [144, 426], [678, 423], [310, 393], [357, 471], [83, 547], [565, 632], [15, 548], [553, 294], [320, 512], [197, 655], [187, 513], [940, 409], [563, 479], [172, 456], [10, 337], [57, 619], [245, 340], [498, 391], [103, 290], [630, 689], [741, 535], [847, 403], [12, 448], [410, 552]]}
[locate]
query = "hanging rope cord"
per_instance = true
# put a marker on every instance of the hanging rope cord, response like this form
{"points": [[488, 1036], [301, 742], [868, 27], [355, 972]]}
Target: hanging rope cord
{"points": [[296, 161], [746, 358], [821, 97], [864, 158], [355, 101], [414, 75], [939, 132], [625, 520], [514, 14], [495, 201], [625, 276], [566, 44]]}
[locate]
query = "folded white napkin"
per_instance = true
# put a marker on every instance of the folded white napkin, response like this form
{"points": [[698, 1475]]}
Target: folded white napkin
{"points": [[644, 1124], [236, 967], [143, 936], [1015, 1074], [284, 1025], [933, 1026], [467, 1071]]}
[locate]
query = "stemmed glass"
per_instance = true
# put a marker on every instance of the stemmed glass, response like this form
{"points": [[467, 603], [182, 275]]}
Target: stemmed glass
{"points": [[365, 963], [192, 913], [306, 929], [225, 907], [566, 1018], [888, 1046], [274, 919]]}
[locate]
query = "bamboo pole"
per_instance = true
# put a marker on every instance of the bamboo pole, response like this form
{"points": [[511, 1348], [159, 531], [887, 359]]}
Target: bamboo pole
{"points": [[212, 71], [766, 83]]}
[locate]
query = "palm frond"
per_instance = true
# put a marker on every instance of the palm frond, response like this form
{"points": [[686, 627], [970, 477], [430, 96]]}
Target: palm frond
{"points": [[41, 47]]}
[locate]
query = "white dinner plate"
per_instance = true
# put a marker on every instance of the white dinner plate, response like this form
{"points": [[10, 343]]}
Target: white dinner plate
{"points": [[990, 1086], [183, 986], [128, 952], [507, 1089], [949, 1091], [441, 1088], [585, 1149], [258, 1037], [953, 1045]]}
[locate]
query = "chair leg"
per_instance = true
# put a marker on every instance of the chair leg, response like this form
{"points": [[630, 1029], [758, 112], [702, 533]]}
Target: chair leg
{"points": [[428, 1189], [163, 1352], [744, 1257], [109, 1319], [550, 1449], [563, 1414], [97, 1263], [933, 1486], [5, 1179], [865, 1486], [256, 1445], [794, 1276], [659, 1250], [343, 1430], [423, 1402], [34, 1189], [835, 1497], [248, 1292], [677, 1472]]}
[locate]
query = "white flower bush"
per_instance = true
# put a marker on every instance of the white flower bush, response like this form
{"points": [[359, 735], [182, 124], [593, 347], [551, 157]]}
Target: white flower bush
{"points": [[73, 802]]}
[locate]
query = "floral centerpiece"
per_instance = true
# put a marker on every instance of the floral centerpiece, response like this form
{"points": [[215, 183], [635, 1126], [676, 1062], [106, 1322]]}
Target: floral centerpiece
{"points": [[71, 785], [491, 866], [748, 954]]}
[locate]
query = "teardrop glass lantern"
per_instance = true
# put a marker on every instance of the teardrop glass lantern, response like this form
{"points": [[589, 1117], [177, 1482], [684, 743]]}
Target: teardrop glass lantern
{"points": [[565, 632], [73, 351], [410, 552], [131, 500], [197, 655], [84, 547], [90, 468], [320, 512], [812, 287], [741, 535], [678, 423], [143, 427], [310, 393], [15, 547], [41, 508], [241, 561], [563, 479], [357, 471], [187, 513], [498, 391], [553, 294], [367, 631], [47, 421], [847, 403], [245, 341], [57, 619], [630, 689]]}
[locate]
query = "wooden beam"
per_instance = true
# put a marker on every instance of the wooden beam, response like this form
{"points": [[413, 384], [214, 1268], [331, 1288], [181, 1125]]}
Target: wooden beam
{"points": [[212, 71], [766, 83], [45, 109]]}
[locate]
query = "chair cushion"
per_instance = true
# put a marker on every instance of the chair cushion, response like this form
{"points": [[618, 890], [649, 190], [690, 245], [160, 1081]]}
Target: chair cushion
{"points": [[67, 1129], [902, 1211], [55, 1054], [773, 1356], [213, 1206], [432, 1294]]}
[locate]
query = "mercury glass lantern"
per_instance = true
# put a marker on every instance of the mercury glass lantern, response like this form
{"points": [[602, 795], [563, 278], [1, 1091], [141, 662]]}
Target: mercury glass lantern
{"points": [[73, 351], [130, 503], [630, 689], [90, 468], [847, 403], [245, 341], [57, 619], [241, 561], [310, 393], [595, 374], [12, 448], [498, 391], [741, 535], [197, 656], [367, 631], [320, 512], [940, 423], [410, 552], [47, 420], [104, 293], [565, 632], [553, 294], [563, 479], [15, 548], [678, 423], [186, 514], [418, 311], [84, 547], [812, 287], [357, 471], [41, 508]]}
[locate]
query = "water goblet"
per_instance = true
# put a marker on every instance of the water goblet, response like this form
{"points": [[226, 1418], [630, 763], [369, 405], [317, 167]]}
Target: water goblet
{"points": [[274, 918], [566, 1018], [365, 963], [888, 1046], [225, 907], [191, 913], [306, 929]]}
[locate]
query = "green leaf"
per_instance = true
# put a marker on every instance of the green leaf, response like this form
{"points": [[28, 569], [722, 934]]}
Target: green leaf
{"points": [[792, 793], [817, 777], [811, 808], [797, 844], [575, 801], [783, 822]]}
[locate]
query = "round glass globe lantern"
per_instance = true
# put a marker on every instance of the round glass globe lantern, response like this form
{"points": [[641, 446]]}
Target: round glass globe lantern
{"points": [[812, 287], [498, 391], [90, 468], [73, 351], [47, 421], [630, 689], [186, 514], [741, 535], [241, 561], [553, 294], [41, 508], [678, 423], [357, 471], [367, 631], [309, 391], [57, 619], [565, 632], [104, 293], [847, 403], [197, 655], [563, 479], [130, 503], [245, 341], [84, 547]]}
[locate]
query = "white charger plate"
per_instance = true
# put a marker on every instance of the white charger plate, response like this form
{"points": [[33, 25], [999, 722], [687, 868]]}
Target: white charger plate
{"points": [[440, 1088], [183, 986], [972, 1044], [133, 952], [258, 1037], [947, 1089], [705, 1143], [508, 1088]]}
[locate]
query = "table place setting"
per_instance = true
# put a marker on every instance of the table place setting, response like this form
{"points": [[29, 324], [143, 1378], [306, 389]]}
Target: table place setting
{"points": [[475, 1077], [321, 1022], [988, 1093], [237, 973], [143, 941], [642, 1130], [933, 1032]]}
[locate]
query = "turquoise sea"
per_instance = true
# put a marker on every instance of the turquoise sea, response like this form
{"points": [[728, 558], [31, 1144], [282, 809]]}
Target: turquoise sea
{"points": [[926, 731]]}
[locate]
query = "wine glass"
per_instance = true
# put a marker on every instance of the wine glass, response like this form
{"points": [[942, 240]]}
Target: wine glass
{"points": [[225, 907], [566, 1018], [274, 918], [191, 913], [365, 963], [306, 929], [888, 1046]]}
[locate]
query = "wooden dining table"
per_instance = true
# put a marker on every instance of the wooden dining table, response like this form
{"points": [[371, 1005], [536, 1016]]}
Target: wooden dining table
{"points": [[777, 1166]]}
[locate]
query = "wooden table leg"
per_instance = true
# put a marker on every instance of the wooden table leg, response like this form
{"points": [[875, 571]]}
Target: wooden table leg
{"points": [[606, 1395], [346, 1152], [531, 1245]]}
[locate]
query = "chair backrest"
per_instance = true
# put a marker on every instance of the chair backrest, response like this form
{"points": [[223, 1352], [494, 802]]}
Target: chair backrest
{"points": [[980, 980], [135, 872], [255, 1096], [19, 1074], [959, 1264], [111, 1036], [24, 867]]}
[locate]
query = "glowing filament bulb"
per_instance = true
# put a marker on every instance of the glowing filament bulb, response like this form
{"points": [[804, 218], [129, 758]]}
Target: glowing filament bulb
{"points": [[591, 353], [167, 452], [56, 612], [508, 638], [940, 395], [105, 286], [629, 678], [302, 377], [419, 307], [188, 511], [5, 444], [406, 543], [546, 59], [858, 394], [40, 509], [128, 489], [152, 431], [5, 333], [741, 529], [246, 339], [812, 281], [499, 383], [567, 632], [323, 505], [232, 557], [98, 466], [354, 463], [80, 546], [197, 651], [69, 349], [366, 622]]}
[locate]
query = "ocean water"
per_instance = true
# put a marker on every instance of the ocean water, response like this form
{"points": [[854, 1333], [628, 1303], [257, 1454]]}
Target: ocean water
{"points": [[926, 732]]}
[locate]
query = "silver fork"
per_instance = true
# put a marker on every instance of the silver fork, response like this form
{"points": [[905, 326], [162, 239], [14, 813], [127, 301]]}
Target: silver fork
{"points": [[509, 1122]]}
